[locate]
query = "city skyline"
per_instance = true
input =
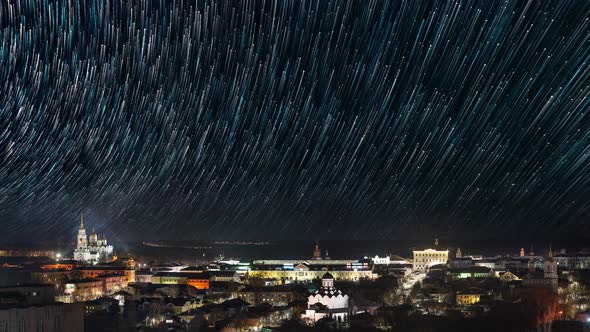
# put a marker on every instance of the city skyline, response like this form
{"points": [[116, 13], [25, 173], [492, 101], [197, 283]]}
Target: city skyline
{"points": [[295, 120]]}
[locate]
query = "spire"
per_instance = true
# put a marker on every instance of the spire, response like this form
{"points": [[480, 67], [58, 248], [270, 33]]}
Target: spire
{"points": [[436, 241], [550, 254], [532, 261], [317, 254], [81, 220]]}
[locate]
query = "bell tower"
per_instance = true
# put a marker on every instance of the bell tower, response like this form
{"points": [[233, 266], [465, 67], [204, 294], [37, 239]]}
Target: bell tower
{"points": [[82, 242], [317, 254], [550, 267]]}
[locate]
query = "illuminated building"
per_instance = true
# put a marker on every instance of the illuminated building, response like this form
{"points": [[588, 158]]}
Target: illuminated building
{"points": [[542, 279], [91, 249], [305, 271], [508, 277], [292, 271], [84, 289], [317, 254], [199, 280], [476, 272], [424, 259], [389, 260], [96, 271], [112, 283], [57, 278], [143, 276], [574, 261], [28, 253], [468, 298], [326, 302], [276, 296], [57, 266]]}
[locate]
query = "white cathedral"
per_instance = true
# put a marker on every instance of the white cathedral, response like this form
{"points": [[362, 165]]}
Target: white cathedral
{"points": [[91, 249], [326, 302]]}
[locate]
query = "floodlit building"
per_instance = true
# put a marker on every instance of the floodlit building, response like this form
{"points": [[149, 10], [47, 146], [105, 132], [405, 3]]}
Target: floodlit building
{"points": [[84, 289], [199, 280], [542, 279], [424, 259], [306, 271], [326, 302], [97, 270], [389, 260], [573, 261], [468, 298], [287, 271], [92, 248]]}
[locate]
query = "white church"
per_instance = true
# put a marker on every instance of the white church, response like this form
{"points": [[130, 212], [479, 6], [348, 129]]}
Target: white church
{"points": [[326, 302], [91, 249]]}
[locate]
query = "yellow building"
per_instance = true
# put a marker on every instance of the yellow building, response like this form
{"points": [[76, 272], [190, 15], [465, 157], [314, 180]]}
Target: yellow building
{"points": [[468, 298], [306, 271], [424, 259], [170, 278], [508, 277]]}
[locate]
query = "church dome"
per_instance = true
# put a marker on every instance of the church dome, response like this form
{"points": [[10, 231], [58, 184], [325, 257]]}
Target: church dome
{"points": [[327, 276]]}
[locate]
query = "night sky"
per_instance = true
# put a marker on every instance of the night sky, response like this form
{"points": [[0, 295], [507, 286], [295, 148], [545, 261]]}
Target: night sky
{"points": [[294, 119]]}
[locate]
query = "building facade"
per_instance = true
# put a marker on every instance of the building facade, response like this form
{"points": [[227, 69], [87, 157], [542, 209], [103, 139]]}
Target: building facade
{"points": [[306, 271], [84, 289], [326, 302], [577, 261], [547, 278], [55, 317], [32, 308], [92, 248], [424, 259], [468, 298]]}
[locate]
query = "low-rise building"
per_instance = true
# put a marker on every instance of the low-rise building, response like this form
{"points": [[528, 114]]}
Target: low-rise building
{"points": [[199, 280], [57, 278], [424, 259], [84, 289], [112, 283], [95, 271], [306, 271], [28, 253], [143, 276], [103, 304], [478, 272], [461, 262], [508, 276], [574, 261], [275, 296], [468, 298]]}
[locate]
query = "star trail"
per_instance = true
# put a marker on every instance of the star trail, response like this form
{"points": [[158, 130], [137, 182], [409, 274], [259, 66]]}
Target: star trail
{"points": [[294, 119]]}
